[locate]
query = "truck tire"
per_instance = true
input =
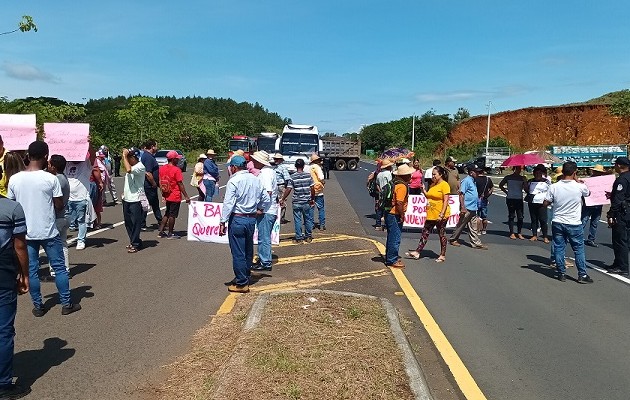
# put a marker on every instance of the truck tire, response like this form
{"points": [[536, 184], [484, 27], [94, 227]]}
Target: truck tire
{"points": [[340, 165], [352, 165]]}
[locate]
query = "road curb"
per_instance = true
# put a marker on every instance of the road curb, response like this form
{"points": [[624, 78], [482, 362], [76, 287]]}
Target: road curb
{"points": [[417, 381]]}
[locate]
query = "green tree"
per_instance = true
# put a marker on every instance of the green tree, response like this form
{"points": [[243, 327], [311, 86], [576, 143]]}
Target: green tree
{"points": [[461, 115], [621, 105], [144, 116], [26, 24]]}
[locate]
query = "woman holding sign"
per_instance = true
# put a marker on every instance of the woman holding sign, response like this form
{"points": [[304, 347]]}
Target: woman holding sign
{"points": [[438, 211]]}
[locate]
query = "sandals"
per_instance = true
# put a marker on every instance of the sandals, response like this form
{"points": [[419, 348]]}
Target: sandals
{"points": [[440, 259], [411, 255], [132, 250]]}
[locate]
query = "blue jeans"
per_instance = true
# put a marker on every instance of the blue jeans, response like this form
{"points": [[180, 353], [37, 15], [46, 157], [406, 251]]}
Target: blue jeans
{"points": [[76, 214], [394, 229], [319, 202], [379, 215], [133, 215], [8, 308], [210, 186], [241, 239], [265, 225], [303, 212], [54, 251], [593, 213], [574, 234]]}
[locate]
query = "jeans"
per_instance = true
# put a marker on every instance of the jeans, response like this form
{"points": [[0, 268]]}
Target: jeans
{"points": [[54, 251], [132, 215], [62, 227], [303, 212], [394, 229], [76, 214], [593, 213], [154, 201], [620, 237], [482, 208], [319, 202], [515, 207], [468, 219], [379, 216], [210, 186], [265, 225], [241, 239], [575, 236], [8, 309]]}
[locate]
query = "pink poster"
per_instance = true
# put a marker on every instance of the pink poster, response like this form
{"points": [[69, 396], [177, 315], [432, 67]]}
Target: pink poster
{"points": [[416, 213], [598, 186], [68, 139], [18, 130]]}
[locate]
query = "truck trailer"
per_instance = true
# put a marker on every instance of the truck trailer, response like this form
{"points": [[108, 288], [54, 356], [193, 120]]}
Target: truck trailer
{"points": [[342, 153]]}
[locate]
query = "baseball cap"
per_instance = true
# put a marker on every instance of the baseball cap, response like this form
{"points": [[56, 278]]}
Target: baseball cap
{"points": [[172, 154], [622, 161], [238, 161], [449, 159], [134, 151]]}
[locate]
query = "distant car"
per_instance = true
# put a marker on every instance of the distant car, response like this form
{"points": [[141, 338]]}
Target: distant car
{"points": [[160, 157]]}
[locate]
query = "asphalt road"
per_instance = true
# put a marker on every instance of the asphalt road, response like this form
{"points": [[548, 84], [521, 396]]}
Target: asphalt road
{"points": [[521, 333]]}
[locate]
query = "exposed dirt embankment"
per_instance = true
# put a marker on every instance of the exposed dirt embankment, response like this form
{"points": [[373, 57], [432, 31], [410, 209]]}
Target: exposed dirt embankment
{"points": [[535, 128]]}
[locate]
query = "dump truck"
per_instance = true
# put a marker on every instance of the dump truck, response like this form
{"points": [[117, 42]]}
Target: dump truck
{"points": [[342, 153]]}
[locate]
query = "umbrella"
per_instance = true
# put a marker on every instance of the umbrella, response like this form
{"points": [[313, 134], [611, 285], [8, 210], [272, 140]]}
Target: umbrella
{"points": [[517, 160], [396, 153], [547, 156]]}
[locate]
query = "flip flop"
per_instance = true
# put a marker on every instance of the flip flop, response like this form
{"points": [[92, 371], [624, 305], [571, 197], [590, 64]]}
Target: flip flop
{"points": [[412, 257], [132, 250], [439, 260]]}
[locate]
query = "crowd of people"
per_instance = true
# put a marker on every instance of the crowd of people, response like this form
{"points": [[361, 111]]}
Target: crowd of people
{"points": [[558, 211]]}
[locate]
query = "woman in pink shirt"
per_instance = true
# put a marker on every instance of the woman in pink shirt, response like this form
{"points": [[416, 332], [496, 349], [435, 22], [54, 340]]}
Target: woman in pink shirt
{"points": [[415, 184]]}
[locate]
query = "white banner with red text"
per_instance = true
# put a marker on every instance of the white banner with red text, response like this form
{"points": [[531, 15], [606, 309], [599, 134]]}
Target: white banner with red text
{"points": [[204, 219], [416, 213]]}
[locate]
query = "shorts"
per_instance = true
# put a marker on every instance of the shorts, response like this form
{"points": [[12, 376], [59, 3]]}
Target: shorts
{"points": [[482, 208], [172, 209]]}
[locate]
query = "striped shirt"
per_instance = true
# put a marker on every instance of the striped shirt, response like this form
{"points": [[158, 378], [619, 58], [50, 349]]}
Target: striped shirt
{"points": [[12, 223], [301, 183]]}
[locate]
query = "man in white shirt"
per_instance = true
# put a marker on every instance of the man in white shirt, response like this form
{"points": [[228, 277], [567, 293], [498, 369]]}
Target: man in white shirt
{"points": [[565, 196], [39, 194], [78, 174], [134, 189], [265, 220]]}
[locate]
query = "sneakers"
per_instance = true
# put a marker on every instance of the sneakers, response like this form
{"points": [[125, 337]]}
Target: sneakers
{"points": [[298, 241], [173, 236], [13, 391], [39, 311], [69, 309], [482, 247], [615, 270], [562, 277], [585, 279], [308, 239], [590, 243], [238, 288], [484, 232], [259, 267], [162, 235], [80, 245], [379, 228]]}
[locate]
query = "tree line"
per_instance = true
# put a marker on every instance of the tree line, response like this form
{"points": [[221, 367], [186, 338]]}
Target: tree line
{"points": [[189, 123]]}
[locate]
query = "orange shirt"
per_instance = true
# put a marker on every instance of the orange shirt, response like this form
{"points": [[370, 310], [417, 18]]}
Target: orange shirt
{"points": [[400, 194]]}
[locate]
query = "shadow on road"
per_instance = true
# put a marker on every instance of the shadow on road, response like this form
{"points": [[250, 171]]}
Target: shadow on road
{"points": [[95, 242], [30, 365], [76, 295]]}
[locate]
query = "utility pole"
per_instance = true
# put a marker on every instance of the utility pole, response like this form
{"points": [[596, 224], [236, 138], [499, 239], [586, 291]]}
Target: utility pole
{"points": [[488, 128], [413, 132]]}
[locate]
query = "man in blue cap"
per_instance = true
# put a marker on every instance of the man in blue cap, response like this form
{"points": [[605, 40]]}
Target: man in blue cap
{"points": [[619, 216], [245, 198]]}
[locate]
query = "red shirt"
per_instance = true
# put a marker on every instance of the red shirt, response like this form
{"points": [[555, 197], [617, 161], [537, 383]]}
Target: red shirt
{"points": [[169, 176]]}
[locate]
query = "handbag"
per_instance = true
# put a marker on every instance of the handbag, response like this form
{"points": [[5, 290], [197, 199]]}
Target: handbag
{"points": [[529, 198], [144, 202]]}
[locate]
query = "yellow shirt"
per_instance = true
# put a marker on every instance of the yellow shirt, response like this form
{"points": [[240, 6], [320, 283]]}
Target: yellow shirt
{"points": [[318, 177], [435, 197]]}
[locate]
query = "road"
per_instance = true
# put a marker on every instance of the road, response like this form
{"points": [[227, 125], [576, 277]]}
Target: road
{"points": [[520, 333]]}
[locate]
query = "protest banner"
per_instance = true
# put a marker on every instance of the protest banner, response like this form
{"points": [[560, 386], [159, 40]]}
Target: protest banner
{"points": [[68, 139], [598, 186], [18, 130], [203, 224], [416, 214]]}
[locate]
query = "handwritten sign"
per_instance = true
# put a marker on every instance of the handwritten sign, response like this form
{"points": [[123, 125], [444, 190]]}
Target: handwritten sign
{"points": [[18, 130], [204, 219], [67, 139], [416, 214], [598, 186]]}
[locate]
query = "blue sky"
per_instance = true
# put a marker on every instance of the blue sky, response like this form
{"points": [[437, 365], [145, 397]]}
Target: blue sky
{"points": [[336, 64]]}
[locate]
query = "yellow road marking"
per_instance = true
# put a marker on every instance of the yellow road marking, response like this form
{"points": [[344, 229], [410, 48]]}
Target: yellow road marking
{"points": [[228, 304], [305, 283], [462, 376], [310, 257], [315, 240]]}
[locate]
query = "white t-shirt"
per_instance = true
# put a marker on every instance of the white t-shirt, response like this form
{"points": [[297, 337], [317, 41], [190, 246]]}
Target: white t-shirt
{"points": [[134, 183], [35, 190], [428, 174], [268, 179], [78, 174], [566, 198]]}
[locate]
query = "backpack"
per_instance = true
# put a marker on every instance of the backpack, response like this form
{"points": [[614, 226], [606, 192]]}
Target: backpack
{"points": [[165, 185], [386, 196], [371, 186]]}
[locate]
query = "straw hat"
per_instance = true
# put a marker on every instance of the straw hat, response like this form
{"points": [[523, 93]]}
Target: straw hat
{"points": [[386, 163], [202, 156], [262, 157], [404, 170], [278, 156], [315, 157], [559, 170], [211, 152], [239, 152], [598, 168]]}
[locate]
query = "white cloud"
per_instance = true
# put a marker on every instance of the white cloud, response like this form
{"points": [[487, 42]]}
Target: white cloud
{"points": [[507, 91], [27, 72]]}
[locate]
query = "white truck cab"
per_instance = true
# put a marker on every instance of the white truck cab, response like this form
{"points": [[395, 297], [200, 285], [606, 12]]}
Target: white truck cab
{"points": [[298, 141]]}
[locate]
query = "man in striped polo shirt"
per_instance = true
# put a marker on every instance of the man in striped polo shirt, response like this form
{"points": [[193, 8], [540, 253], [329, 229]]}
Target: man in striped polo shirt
{"points": [[303, 201]]}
